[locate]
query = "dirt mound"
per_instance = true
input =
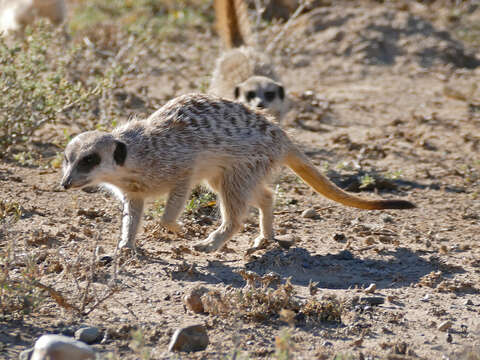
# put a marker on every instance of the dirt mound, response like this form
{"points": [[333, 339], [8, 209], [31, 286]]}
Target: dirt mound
{"points": [[381, 36]]}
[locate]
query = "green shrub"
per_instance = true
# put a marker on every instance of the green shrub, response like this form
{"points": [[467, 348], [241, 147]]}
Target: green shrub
{"points": [[40, 80]]}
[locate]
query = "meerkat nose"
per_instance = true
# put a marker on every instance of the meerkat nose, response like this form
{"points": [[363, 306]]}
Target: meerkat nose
{"points": [[261, 105], [67, 183]]}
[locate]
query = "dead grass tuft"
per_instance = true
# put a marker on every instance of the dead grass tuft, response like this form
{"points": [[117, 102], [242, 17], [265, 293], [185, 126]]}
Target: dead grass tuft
{"points": [[258, 302], [10, 208]]}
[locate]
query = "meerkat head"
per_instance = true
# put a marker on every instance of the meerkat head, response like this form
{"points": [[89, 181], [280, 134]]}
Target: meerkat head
{"points": [[262, 92], [92, 158]]}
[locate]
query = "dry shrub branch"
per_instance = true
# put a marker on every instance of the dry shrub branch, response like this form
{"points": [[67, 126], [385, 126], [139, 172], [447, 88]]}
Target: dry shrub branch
{"points": [[257, 301]]}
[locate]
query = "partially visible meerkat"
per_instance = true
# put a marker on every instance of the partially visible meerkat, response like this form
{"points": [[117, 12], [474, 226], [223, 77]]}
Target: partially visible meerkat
{"points": [[196, 139], [242, 73], [16, 14]]}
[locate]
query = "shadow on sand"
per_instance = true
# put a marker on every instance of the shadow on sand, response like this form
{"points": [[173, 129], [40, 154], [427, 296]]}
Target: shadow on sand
{"points": [[342, 270]]}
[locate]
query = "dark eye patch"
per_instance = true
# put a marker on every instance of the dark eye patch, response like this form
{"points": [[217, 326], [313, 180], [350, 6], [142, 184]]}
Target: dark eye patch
{"points": [[251, 95], [88, 162], [270, 95]]}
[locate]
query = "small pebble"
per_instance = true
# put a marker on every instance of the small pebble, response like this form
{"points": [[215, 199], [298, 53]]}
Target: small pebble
{"points": [[339, 237], [189, 339], [193, 299], [468, 302], [105, 259], [426, 298], [387, 219], [444, 326], [309, 213], [286, 241], [449, 338], [89, 335], [371, 288], [62, 348]]}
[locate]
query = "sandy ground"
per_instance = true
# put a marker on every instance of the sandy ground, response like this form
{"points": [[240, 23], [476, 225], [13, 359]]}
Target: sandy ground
{"points": [[381, 93]]}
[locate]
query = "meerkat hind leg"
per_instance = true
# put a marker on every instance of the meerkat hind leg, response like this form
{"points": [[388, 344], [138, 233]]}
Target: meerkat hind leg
{"points": [[233, 193], [264, 202], [174, 206]]}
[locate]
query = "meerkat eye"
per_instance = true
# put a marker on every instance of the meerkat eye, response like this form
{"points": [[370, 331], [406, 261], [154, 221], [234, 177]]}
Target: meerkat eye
{"points": [[88, 162], [251, 95], [270, 95]]}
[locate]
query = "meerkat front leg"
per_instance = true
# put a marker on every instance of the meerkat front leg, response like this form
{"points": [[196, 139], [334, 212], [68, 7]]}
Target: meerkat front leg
{"points": [[132, 214], [174, 206]]}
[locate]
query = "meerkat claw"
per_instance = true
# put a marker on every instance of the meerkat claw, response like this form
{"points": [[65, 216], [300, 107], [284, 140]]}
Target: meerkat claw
{"points": [[175, 227]]}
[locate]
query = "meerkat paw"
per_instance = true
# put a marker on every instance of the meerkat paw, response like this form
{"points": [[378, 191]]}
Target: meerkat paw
{"points": [[260, 242], [211, 244], [206, 246], [124, 244], [173, 227]]}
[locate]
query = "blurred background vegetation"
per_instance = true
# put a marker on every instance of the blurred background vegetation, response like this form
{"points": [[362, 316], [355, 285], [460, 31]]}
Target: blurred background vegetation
{"points": [[77, 76]]}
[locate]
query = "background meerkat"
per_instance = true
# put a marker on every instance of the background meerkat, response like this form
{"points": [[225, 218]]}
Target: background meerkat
{"points": [[16, 14], [193, 139], [242, 73]]}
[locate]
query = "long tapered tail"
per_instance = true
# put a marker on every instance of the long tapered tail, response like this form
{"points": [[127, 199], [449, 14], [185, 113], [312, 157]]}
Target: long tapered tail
{"points": [[233, 24], [304, 168]]}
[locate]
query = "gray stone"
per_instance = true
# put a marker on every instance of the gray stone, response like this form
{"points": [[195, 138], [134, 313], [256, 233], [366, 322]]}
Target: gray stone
{"points": [[189, 339], [339, 237], [444, 326], [449, 338], [26, 354], [371, 288], [89, 335], [286, 241], [59, 347], [309, 214]]}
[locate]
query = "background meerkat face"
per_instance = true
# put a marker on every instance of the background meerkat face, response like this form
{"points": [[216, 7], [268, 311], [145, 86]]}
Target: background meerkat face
{"points": [[262, 92], [90, 158]]}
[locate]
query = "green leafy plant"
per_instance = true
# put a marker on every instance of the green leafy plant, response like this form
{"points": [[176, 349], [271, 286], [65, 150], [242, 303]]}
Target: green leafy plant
{"points": [[366, 181]]}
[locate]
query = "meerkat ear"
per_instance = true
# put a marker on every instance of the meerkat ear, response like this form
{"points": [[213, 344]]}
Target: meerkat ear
{"points": [[237, 92], [281, 92], [120, 153]]}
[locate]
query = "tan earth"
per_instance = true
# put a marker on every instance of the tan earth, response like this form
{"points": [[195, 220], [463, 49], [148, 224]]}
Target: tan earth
{"points": [[386, 102]]}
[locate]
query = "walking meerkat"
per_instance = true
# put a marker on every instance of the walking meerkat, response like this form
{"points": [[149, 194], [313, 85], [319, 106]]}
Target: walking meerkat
{"points": [[198, 139], [242, 73], [16, 14]]}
